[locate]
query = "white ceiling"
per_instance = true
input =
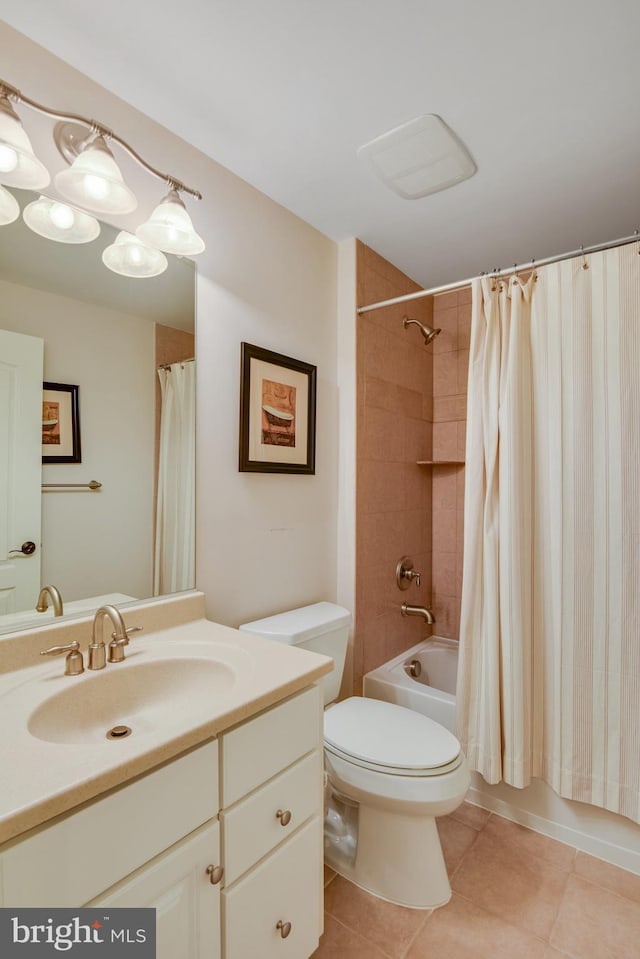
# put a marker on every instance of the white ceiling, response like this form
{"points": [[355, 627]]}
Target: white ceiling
{"points": [[282, 92]]}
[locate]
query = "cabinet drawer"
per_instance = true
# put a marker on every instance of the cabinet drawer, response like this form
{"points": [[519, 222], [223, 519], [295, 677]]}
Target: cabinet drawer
{"points": [[287, 888], [251, 829], [257, 750], [177, 886], [79, 856]]}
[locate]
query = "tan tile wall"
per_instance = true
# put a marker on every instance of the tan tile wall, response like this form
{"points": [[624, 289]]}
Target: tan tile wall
{"points": [[451, 312], [393, 495]]}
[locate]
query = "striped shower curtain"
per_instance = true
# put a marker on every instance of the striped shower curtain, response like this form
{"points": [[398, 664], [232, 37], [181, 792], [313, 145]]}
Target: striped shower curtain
{"points": [[549, 684], [174, 566]]}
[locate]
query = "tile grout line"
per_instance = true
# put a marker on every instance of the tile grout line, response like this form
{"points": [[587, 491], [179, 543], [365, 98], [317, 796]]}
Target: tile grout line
{"points": [[507, 922], [612, 892], [562, 899], [366, 942], [417, 933]]}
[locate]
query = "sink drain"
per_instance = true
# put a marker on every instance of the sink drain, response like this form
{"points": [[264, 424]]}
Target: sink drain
{"points": [[119, 732]]}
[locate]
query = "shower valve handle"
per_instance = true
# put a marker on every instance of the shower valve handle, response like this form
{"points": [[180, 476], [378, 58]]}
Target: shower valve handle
{"points": [[406, 574]]}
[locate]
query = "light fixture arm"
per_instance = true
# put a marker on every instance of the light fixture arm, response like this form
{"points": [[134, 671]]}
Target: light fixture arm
{"points": [[9, 91]]}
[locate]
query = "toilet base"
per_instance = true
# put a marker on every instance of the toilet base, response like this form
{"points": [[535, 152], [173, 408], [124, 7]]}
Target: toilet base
{"points": [[399, 858]]}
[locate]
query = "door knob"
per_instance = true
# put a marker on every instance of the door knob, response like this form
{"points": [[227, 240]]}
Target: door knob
{"points": [[26, 549], [284, 928]]}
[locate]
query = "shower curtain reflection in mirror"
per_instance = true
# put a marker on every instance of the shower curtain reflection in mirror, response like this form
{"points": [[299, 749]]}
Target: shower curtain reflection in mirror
{"points": [[174, 567]]}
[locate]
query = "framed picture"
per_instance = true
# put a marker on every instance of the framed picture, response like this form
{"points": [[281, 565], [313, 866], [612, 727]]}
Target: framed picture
{"points": [[277, 413], [60, 424]]}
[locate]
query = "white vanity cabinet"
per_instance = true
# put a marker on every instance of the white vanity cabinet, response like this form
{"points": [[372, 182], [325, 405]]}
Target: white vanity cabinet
{"points": [[225, 842], [271, 823], [178, 884]]}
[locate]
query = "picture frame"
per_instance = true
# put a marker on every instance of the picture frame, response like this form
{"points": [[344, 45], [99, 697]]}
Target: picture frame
{"points": [[60, 423], [277, 413]]}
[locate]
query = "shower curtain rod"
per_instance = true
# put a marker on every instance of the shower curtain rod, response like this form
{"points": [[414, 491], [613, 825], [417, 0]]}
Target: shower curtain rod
{"points": [[531, 265], [167, 366]]}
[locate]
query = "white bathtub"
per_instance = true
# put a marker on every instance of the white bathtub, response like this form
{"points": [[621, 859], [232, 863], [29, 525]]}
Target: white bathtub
{"points": [[432, 693]]}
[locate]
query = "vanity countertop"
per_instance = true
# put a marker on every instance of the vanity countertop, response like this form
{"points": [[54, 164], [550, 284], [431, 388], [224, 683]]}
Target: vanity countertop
{"points": [[42, 779]]}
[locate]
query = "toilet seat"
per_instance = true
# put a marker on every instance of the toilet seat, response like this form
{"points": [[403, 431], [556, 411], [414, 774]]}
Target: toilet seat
{"points": [[390, 739]]}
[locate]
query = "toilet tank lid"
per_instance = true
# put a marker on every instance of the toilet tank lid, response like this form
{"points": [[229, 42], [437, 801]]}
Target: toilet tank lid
{"points": [[299, 625]]}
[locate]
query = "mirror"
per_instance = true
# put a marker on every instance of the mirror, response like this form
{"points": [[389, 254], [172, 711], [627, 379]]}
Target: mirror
{"points": [[107, 335]]}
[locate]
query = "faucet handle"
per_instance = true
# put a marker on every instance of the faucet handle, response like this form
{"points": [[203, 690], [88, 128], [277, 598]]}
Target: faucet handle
{"points": [[406, 574], [117, 644], [74, 663]]}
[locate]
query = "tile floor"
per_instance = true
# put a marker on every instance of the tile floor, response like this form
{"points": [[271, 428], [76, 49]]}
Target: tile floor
{"points": [[516, 895]]}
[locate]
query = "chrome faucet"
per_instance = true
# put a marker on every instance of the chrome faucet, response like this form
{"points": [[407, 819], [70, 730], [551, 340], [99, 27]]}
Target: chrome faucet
{"points": [[425, 611], [43, 603], [97, 649]]}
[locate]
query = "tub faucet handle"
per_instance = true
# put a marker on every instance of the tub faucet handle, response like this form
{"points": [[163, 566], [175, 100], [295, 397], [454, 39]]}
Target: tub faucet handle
{"points": [[406, 574]]}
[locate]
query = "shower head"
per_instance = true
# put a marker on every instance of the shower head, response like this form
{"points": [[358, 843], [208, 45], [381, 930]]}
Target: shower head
{"points": [[427, 331]]}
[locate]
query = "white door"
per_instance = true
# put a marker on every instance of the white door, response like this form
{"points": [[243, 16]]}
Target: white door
{"points": [[21, 367]]}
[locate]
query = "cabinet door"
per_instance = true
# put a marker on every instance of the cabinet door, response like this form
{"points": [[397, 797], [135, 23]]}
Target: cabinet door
{"points": [[285, 888], [177, 885]]}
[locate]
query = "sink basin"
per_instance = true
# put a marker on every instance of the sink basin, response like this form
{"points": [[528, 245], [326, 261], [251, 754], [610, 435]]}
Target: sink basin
{"points": [[149, 697]]}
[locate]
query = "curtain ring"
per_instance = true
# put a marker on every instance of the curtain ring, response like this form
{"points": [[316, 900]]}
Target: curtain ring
{"points": [[585, 265], [534, 272]]}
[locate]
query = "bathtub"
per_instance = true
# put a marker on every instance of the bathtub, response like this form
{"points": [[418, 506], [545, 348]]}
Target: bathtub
{"points": [[432, 692]]}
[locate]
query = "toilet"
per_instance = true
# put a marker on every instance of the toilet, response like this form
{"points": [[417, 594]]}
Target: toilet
{"points": [[390, 772]]}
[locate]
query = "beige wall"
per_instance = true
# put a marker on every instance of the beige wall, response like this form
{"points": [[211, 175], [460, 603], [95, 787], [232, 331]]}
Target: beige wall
{"points": [[393, 494], [264, 542]]}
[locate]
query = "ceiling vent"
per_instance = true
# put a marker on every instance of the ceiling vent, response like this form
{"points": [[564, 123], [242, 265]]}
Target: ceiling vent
{"points": [[418, 158]]}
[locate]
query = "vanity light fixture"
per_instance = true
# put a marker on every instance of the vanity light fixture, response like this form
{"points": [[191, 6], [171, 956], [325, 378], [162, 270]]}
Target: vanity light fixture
{"points": [[19, 166], [169, 228], [129, 256], [57, 221], [9, 209], [92, 182]]}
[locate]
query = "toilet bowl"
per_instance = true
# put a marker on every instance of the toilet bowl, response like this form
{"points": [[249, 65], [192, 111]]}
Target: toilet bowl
{"points": [[390, 772], [402, 772]]}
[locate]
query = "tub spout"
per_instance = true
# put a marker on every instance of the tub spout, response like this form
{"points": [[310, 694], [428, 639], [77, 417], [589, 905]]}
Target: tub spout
{"points": [[424, 611]]}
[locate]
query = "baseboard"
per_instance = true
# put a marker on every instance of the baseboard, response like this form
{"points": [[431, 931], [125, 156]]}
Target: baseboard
{"points": [[600, 848]]}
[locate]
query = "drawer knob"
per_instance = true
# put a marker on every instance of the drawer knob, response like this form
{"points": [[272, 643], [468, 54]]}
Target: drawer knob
{"points": [[284, 815], [284, 927], [215, 874]]}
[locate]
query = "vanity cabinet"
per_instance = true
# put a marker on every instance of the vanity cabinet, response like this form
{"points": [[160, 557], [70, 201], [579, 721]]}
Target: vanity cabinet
{"points": [[177, 885], [225, 842], [271, 821]]}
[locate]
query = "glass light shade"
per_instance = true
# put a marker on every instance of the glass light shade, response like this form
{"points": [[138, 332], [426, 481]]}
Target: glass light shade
{"points": [[18, 164], [95, 182], [57, 221], [129, 256], [169, 228], [9, 209]]}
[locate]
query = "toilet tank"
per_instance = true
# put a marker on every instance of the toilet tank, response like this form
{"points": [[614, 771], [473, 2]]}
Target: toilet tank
{"points": [[322, 628]]}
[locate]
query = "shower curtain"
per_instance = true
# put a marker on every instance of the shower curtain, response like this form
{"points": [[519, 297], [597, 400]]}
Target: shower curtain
{"points": [[549, 684], [174, 567]]}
